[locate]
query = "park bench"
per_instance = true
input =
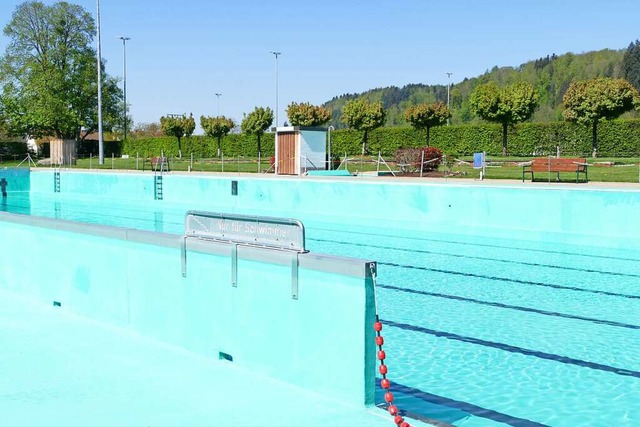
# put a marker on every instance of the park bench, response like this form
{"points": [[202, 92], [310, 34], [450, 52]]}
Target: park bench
{"points": [[557, 165], [157, 164]]}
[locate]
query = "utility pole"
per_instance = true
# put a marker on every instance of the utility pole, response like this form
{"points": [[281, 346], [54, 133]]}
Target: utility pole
{"points": [[218, 95], [124, 81], [276, 55], [448, 87], [100, 137]]}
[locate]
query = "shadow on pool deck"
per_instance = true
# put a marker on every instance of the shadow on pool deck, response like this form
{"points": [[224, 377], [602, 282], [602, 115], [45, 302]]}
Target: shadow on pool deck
{"points": [[60, 369]]}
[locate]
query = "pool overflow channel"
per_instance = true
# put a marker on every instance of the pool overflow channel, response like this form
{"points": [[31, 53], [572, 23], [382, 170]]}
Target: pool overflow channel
{"points": [[274, 234]]}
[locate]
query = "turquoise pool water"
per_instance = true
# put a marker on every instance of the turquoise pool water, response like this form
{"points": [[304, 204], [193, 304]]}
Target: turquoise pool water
{"points": [[479, 331]]}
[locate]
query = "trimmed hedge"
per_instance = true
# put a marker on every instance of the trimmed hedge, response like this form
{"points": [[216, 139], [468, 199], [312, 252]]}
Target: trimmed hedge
{"points": [[88, 148], [11, 148], [201, 146], [616, 138]]}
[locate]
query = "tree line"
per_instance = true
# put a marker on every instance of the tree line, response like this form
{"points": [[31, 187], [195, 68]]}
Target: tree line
{"points": [[551, 76], [586, 102]]}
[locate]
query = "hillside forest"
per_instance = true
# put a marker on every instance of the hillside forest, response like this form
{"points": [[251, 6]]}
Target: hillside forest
{"points": [[550, 75]]}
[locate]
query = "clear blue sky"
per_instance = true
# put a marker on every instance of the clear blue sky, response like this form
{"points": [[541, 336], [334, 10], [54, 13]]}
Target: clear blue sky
{"points": [[182, 52]]}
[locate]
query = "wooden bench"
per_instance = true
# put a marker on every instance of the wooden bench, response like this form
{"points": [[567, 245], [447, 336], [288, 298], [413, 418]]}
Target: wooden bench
{"points": [[557, 165], [157, 163]]}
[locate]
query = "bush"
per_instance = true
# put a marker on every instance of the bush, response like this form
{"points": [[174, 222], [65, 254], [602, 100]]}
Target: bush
{"points": [[405, 159], [14, 148], [432, 158]]}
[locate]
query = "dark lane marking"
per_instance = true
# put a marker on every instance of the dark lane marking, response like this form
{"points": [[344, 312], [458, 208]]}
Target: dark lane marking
{"points": [[510, 307], [417, 416], [504, 279], [481, 245], [469, 408], [514, 349], [530, 264]]}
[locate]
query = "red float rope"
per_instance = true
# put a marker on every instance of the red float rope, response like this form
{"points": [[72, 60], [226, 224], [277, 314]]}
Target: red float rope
{"points": [[385, 383]]}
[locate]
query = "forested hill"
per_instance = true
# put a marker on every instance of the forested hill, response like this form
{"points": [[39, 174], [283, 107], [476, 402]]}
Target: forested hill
{"points": [[551, 76]]}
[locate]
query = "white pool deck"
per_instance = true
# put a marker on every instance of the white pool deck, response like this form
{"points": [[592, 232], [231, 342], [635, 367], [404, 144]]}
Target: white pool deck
{"points": [[61, 369]]}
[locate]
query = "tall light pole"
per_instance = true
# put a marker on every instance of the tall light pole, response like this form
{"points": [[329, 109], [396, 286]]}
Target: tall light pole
{"points": [[329, 129], [99, 54], [124, 80], [218, 95], [448, 86], [276, 55]]}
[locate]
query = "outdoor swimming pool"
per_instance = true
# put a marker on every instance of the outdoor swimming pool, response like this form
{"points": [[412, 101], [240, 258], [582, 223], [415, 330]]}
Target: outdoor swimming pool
{"points": [[480, 330]]}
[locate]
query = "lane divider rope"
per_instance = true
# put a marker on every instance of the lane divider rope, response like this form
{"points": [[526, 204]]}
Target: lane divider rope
{"points": [[381, 355]]}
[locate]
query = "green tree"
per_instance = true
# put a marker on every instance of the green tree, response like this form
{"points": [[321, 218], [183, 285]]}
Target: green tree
{"points": [[589, 101], [146, 130], [178, 126], [216, 127], [362, 115], [426, 116], [515, 103], [631, 64], [48, 74], [305, 114], [257, 122]]}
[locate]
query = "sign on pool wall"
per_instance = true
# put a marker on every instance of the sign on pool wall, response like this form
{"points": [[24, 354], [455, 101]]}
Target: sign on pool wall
{"points": [[277, 233]]}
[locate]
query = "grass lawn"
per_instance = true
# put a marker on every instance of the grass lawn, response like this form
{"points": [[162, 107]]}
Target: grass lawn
{"points": [[600, 169], [236, 164]]}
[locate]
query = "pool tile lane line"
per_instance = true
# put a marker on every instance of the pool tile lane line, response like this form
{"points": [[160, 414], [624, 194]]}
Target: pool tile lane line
{"points": [[486, 245], [510, 307], [515, 349], [62, 369], [504, 279], [481, 258]]}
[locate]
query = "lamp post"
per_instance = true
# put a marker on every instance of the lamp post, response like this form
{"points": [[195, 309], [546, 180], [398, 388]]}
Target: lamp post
{"points": [[99, 59], [218, 95], [329, 129], [276, 55], [448, 86], [124, 81]]}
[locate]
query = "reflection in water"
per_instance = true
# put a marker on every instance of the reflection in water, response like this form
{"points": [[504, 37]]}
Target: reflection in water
{"points": [[158, 219]]}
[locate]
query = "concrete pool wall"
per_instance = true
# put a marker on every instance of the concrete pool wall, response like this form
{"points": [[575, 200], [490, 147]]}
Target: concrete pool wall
{"points": [[322, 341], [574, 214]]}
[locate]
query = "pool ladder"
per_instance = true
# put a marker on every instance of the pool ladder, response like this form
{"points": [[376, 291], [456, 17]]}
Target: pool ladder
{"points": [[158, 183], [157, 179], [56, 180]]}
